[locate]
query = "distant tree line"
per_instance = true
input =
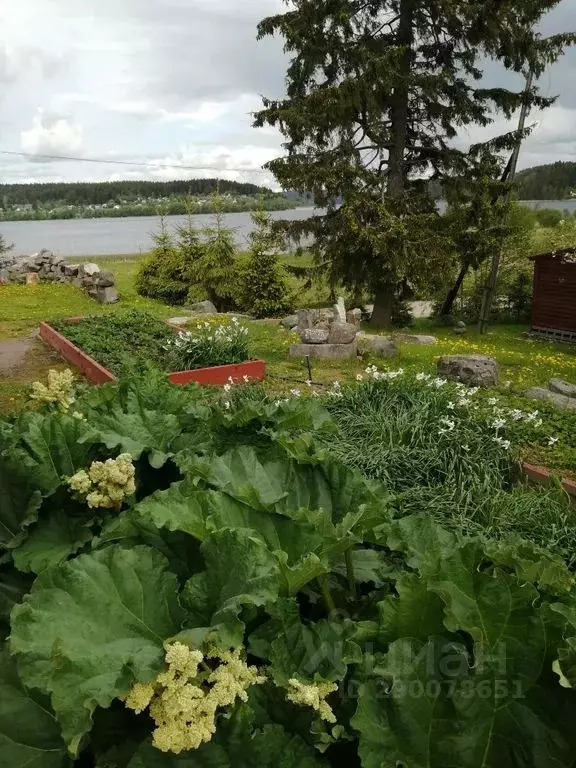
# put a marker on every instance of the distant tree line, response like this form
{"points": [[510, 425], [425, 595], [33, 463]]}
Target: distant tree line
{"points": [[547, 182], [99, 193]]}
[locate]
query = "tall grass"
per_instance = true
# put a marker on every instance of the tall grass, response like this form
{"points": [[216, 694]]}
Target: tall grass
{"points": [[392, 430]]}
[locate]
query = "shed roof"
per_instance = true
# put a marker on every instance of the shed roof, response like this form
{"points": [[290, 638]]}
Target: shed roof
{"points": [[559, 253]]}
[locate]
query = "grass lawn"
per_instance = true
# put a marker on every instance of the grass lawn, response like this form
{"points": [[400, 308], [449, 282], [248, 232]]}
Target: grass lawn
{"points": [[523, 362]]}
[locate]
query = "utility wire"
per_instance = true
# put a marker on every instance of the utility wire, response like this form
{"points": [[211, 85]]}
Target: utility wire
{"points": [[153, 166]]}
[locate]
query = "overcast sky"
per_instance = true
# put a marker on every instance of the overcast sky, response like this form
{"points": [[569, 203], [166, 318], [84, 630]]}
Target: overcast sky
{"points": [[174, 82]]}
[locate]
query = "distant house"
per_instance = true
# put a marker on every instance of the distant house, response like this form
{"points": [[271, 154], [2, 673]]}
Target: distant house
{"points": [[554, 299]]}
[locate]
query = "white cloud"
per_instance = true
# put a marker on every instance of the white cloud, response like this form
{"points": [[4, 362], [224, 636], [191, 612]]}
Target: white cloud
{"points": [[51, 135]]}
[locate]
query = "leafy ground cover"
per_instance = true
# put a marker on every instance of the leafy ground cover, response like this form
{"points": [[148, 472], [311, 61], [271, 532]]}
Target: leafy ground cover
{"points": [[231, 579]]}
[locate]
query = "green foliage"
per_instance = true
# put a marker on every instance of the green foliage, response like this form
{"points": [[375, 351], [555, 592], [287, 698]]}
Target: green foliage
{"points": [[213, 273], [118, 340], [555, 181], [374, 94], [548, 217], [329, 557], [192, 264], [166, 274], [266, 292], [208, 345]]}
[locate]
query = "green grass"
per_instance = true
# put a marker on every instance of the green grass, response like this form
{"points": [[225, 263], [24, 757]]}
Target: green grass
{"points": [[524, 363]]}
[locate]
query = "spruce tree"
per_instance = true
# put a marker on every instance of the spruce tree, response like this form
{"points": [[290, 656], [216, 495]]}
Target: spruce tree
{"points": [[377, 91], [266, 288]]}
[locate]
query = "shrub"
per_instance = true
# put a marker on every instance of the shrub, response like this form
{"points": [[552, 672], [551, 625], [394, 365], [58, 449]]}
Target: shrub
{"points": [[266, 291], [548, 217], [167, 272]]}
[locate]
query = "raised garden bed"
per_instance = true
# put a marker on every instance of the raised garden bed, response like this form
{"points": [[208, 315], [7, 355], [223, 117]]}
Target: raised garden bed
{"points": [[96, 373], [542, 476]]}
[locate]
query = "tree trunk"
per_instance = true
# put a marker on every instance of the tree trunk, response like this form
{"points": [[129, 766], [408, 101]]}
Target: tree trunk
{"points": [[399, 111], [453, 292], [383, 306]]}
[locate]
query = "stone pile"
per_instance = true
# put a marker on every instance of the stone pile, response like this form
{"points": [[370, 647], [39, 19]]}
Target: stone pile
{"points": [[44, 266], [325, 334]]}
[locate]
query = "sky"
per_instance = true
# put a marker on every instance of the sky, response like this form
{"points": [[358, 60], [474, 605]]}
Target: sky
{"points": [[173, 84]]}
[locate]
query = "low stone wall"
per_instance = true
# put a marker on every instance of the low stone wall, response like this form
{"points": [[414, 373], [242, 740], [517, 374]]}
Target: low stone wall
{"points": [[45, 267]]}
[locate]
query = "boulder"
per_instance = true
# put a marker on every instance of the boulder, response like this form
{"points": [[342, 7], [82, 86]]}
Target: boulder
{"points": [[473, 370], [314, 335], [558, 401], [71, 270], [179, 320], [90, 269], [105, 279], [291, 321], [414, 338], [202, 308], [4, 276], [341, 333], [107, 295], [385, 346], [326, 351], [340, 309], [57, 259], [561, 387], [315, 318]]}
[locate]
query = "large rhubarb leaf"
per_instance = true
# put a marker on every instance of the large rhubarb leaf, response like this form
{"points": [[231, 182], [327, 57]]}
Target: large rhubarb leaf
{"points": [[92, 626], [50, 541], [240, 571], [29, 733]]}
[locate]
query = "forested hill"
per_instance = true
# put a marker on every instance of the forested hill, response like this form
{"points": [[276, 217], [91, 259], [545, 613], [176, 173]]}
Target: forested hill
{"points": [[86, 193], [547, 182]]}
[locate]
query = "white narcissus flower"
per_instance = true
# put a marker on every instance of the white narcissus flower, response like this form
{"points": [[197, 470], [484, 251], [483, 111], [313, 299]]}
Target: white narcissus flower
{"points": [[492, 400], [227, 387], [359, 377], [553, 440]]}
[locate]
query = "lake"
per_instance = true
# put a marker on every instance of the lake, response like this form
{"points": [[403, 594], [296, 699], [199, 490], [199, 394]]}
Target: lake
{"points": [[93, 237], [99, 237]]}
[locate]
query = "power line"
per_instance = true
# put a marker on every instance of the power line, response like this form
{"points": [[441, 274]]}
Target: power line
{"points": [[152, 166]]}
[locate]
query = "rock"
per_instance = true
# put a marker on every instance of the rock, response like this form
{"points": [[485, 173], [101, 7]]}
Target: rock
{"points": [[31, 265], [561, 387], [459, 331], [559, 401], [90, 269], [57, 259], [340, 309], [314, 335], [385, 346], [354, 316], [473, 370], [4, 276], [179, 320], [368, 309], [202, 308], [460, 324], [71, 270], [326, 351], [410, 338], [341, 333], [107, 295], [105, 279], [290, 322], [315, 318]]}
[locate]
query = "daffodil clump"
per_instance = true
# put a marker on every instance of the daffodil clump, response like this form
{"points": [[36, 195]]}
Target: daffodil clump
{"points": [[185, 699], [107, 483], [59, 390], [314, 696]]}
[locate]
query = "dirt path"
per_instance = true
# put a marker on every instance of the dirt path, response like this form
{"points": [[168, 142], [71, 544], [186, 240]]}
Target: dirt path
{"points": [[23, 360]]}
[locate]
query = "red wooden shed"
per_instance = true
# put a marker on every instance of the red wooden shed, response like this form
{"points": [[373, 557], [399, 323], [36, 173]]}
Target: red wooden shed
{"points": [[554, 299]]}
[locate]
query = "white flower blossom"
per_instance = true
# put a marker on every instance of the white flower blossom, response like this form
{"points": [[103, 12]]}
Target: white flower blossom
{"points": [[451, 406], [501, 442], [359, 377], [498, 423], [295, 392], [492, 400], [227, 387], [552, 440], [227, 404]]}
